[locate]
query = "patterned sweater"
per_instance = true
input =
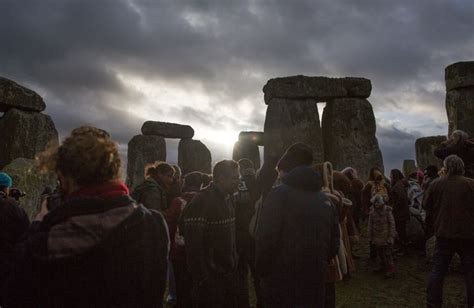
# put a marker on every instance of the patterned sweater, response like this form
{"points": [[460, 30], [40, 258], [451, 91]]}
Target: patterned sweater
{"points": [[209, 232]]}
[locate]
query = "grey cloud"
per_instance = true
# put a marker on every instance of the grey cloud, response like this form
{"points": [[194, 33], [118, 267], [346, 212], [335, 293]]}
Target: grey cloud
{"points": [[396, 145], [74, 50]]}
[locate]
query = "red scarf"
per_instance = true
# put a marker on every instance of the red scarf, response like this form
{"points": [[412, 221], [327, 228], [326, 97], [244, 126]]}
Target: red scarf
{"points": [[108, 190]]}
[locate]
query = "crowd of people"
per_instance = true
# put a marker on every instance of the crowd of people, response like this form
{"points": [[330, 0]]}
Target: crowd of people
{"points": [[290, 226]]}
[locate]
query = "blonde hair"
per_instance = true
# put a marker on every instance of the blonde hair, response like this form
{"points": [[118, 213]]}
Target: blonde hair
{"points": [[88, 156]]}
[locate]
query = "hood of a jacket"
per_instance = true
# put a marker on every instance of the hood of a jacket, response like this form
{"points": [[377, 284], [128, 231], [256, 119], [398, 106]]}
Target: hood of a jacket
{"points": [[148, 184], [303, 178], [82, 225]]}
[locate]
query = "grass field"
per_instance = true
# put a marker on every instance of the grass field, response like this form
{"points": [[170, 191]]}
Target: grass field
{"points": [[408, 289]]}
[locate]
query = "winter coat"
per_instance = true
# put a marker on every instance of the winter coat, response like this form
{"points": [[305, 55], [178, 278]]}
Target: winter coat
{"points": [[343, 263], [464, 149], [98, 249], [399, 201], [450, 208], [297, 234], [172, 216], [381, 227], [209, 233], [13, 224], [151, 194]]}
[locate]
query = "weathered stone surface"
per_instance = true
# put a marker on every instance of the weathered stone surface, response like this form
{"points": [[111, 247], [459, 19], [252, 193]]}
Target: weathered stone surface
{"points": [[247, 149], [289, 121], [193, 155], [24, 134], [28, 179], [348, 126], [424, 151], [253, 137], [409, 166], [318, 88], [460, 109], [167, 130], [459, 75], [12, 95], [143, 150]]}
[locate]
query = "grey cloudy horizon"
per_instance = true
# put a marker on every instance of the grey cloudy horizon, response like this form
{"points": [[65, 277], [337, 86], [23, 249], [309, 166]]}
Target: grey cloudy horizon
{"points": [[117, 63]]}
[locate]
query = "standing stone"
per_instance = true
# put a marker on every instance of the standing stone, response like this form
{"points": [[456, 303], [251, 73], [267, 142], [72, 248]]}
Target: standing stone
{"points": [[409, 167], [143, 150], [459, 75], [167, 130], [289, 121], [253, 137], [349, 135], [25, 134], [460, 109], [28, 179], [318, 88], [193, 155], [424, 151], [12, 95], [249, 150]]}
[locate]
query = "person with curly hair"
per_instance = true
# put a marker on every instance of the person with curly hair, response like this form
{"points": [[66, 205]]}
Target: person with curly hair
{"points": [[97, 248]]}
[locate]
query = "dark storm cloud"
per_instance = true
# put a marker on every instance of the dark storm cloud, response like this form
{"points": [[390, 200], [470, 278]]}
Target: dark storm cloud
{"points": [[396, 145], [74, 52]]}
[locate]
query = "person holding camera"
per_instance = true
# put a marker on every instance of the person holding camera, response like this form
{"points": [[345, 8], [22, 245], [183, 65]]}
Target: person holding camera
{"points": [[98, 248], [13, 224]]}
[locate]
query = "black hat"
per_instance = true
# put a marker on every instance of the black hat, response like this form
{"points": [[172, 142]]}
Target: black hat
{"points": [[299, 154]]}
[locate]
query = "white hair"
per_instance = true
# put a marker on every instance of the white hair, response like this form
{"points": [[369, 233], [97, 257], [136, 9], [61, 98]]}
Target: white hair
{"points": [[453, 165]]}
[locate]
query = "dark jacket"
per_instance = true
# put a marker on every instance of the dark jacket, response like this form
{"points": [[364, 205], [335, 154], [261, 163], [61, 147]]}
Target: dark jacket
{"points": [[399, 201], [209, 234], [245, 200], [91, 252], [464, 149], [297, 234], [151, 194], [13, 224], [449, 204]]}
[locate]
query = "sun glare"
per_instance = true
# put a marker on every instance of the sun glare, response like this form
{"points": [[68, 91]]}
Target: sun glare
{"points": [[223, 137]]}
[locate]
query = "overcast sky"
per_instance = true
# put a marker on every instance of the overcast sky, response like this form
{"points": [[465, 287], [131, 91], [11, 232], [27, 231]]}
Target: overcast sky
{"points": [[117, 63]]}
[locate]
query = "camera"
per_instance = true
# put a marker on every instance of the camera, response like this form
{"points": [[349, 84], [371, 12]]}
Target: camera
{"points": [[52, 197], [16, 193]]}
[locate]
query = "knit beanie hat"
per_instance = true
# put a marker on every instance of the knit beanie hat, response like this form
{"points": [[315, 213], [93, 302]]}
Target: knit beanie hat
{"points": [[299, 154], [5, 180]]}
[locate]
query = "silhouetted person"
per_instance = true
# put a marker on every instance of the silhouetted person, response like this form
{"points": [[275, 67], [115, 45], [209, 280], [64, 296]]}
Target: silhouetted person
{"points": [[183, 278], [209, 234], [245, 201], [153, 192], [13, 224], [98, 248], [399, 203], [297, 234], [461, 145], [450, 214]]}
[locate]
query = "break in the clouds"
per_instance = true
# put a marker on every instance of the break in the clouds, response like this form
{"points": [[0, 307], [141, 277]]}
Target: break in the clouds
{"points": [[115, 63]]}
